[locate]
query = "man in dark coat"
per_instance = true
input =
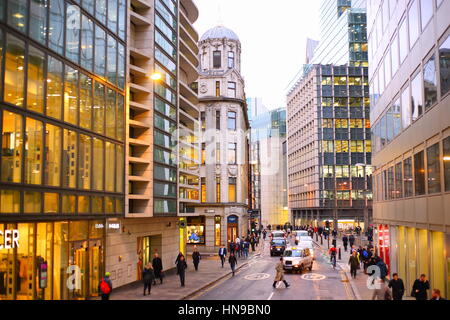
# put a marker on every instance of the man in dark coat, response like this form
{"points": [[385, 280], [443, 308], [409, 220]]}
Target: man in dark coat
{"points": [[232, 247], [196, 258], [181, 269], [351, 239], [222, 254], [233, 262], [157, 268], [345, 242], [354, 264], [397, 286], [148, 276], [420, 287]]}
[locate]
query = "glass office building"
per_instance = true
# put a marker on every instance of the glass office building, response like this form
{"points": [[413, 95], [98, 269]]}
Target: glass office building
{"points": [[329, 137], [409, 44], [62, 108]]}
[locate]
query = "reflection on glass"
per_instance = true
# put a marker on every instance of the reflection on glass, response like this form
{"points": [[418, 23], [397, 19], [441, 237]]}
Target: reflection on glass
{"points": [[122, 17], [11, 147], [109, 205], [416, 97], [71, 95], [9, 201], [419, 173], [112, 60], [56, 26], [446, 157], [98, 166], [86, 101], [434, 169], [53, 136], [84, 167], [97, 205], [110, 166], [444, 61], [17, 14], [14, 71], [69, 159], [99, 108], [112, 16], [38, 20], [51, 202], [120, 122], [68, 203], [35, 88], [100, 10], [83, 204], [32, 202], [87, 43], [100, 51], [111, 113], [33, 151], [121, 66], [54, 87], [73, 28], [430, 81]]}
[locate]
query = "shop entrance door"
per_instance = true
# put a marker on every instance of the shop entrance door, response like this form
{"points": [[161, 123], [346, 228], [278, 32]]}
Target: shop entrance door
{"points": [[147, 247], [232, 228], [79, 254], [95, 266]]}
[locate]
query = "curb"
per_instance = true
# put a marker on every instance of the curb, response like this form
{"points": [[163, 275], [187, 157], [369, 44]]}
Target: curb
{"points": [[209, 284]]}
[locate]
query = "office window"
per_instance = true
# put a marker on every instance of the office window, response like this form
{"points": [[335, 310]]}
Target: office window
{"points": [[38, 20], [217, 230], [232, 120], [217, 88], [97, 205], [73, 31], [98, 164], [100, 51], [218, 153], [17, 14], [232, 190], [327, 123], [54, 87], [232, 89], [32, 202], [70, 153], [413, 21], [9, 201], [87, 43], [394, 55], [232, 155], [416, 97], [396, 114], [341, 123], [430, 81], [83, 204], [99, 108], [120, 167], [398, 181], [85, 162], [53, 139], [86, 101], [444, 61], [230, 59], [112, 60], [110, 154], [203, 153], [357, 146], [14, 71], [71, 95], [56, 25], [434, 169], [390, 183], [446, 157], [217, 59], [35, 87], [341, 146], [218, 120], [387, 67], [327, 147], [68, 203], [403, 41], [203, 190], [408, 178], [218, 189], [121, 66], [12, 139], [426, 12], [51, 202], [419, 173], [112, 15], [111, 113], [100, 10], [33, 151], [406, 109]]}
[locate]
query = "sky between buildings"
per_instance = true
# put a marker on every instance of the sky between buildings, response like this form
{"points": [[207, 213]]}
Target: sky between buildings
{"points": [[273, 35]]}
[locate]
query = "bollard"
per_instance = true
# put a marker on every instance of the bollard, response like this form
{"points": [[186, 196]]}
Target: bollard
{"points": [[321, 240], [340, 253], [317, 237], [328, 238]]}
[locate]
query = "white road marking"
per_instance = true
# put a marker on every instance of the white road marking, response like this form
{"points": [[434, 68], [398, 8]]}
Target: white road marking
{"points": [[271, 295]]}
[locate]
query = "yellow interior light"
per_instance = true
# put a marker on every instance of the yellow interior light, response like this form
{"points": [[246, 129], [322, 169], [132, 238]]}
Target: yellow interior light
{"points": [[156, 76]]}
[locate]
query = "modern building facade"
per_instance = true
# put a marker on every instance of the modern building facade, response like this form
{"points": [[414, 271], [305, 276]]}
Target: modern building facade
{"points": [[268, 149], [222, 215], [409, 81], [329, 138], [63, 97], [162, 163]]}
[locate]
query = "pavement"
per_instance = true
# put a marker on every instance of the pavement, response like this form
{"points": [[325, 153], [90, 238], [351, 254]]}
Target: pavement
{"points": [[210, 271], [254, 282]]}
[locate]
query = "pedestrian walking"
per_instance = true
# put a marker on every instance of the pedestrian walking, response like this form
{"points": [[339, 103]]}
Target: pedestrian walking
{"points": [[246, 247], [354, 264], [264, 234], [252, 242], [397, 286], [157, 268], [351, 240], [334, 233], [181, 269], [222, 254], [436, 295], [233, 262], [196, 256], [180, 254], [105, 286], [382, 291], [383, 268], [280, 275], [420, 287], [148, 276], [345, 242]]}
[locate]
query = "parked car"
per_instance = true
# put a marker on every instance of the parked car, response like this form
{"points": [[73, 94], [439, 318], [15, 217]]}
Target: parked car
{"points": [[297, 259], [277, 246]]}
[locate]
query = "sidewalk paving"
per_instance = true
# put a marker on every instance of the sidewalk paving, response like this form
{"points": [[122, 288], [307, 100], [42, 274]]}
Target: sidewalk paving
{"points": [[210, 271]]}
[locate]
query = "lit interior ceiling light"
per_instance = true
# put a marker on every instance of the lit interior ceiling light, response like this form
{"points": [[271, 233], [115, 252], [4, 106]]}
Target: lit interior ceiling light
{"points": [[447, 158], [156, 76]]}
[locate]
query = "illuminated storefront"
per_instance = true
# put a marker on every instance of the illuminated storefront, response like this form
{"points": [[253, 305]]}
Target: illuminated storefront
{"points": [[52, 260], [196, 230]]}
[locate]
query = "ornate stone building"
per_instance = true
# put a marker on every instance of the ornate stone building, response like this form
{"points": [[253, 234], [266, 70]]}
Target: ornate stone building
{"points": [[222, 214]]}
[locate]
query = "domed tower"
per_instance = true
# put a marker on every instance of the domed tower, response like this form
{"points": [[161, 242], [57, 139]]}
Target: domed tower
{"points": [[224, 129]]}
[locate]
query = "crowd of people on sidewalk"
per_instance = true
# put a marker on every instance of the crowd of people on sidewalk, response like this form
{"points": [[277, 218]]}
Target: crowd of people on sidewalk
{"points": [[365, 258]]}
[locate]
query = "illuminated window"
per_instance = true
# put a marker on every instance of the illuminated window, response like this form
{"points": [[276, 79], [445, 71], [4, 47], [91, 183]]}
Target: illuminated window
{"points": [[33, 151], [53, 137], [217, 88], [71, 95], [218, 189], [357, 146], [341, 123], [35, 88], [232, 189], [217, 230], [54, 87], [84, 167], [327, 123], [203, 190], [14, 71], [341, 146], [340, 81], [203, 153], [195, 230], [327, 147]]}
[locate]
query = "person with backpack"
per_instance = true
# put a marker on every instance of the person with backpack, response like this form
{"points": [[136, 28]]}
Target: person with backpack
{"points": [[383, 268], [148, 276], [105, 286]]}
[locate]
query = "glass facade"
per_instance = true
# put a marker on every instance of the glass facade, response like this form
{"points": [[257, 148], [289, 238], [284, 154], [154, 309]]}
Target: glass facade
{"points": [[166, 104], [62, 118]]}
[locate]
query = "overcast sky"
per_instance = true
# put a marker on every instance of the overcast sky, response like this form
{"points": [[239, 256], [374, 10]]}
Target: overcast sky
{"points": [[273, 37]]}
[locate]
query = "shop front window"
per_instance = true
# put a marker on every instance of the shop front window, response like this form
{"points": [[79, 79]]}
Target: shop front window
{"points": [[33, 151], [218, 230], [25, 284], [43, 274], [196, 230], [53, 137], [11, 147], [7, 273]]}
